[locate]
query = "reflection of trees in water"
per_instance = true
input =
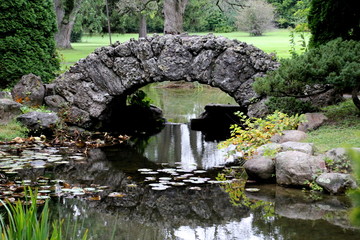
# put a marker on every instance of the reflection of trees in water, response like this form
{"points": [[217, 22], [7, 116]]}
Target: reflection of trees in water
{"points": [[177, 143]]}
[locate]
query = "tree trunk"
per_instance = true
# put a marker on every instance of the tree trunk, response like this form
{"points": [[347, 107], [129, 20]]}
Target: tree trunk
{"points": [[173, 13], [142, 26], [65, 20], [355, 96]]}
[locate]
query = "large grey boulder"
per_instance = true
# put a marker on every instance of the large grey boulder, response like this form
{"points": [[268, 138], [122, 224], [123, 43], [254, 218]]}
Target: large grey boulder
{"points": [[327, 98], [313, 121], [55, 102], [260, 168], [39, 122], [9, 110], [298, 146], [29, 91], [293, 168], [336, 183], [289, 135]]}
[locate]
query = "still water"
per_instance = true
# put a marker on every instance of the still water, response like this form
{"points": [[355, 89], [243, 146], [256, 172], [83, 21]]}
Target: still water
{"points": [[194, 210]]}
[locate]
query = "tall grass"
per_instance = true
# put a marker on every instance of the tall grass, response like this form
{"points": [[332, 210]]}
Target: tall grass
{"points": [[12, 130], [28, 222]]}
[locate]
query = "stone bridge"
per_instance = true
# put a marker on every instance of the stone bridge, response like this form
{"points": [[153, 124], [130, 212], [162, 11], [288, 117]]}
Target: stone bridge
{"points": [[96, 87]]}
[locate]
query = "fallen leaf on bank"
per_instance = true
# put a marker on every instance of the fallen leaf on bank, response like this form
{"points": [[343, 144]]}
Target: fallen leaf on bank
{"points": [[95, 198]]}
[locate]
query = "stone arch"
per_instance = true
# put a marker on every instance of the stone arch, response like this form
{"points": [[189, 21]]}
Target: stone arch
{"points": [[101, 81]]}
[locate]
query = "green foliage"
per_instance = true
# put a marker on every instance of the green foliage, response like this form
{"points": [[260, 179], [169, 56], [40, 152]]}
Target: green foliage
{"points": [[256, 17], [76, 36], [314, 187], [25, 221], [355, 196], [302, 42], [344, 112], [26, 109], [338, 165], [336, 63], [27, 40], [139, 98], [12, 130], [255, 132], [217, 21], [285, 10], [331, 19], [301, 14], [289, 105]]}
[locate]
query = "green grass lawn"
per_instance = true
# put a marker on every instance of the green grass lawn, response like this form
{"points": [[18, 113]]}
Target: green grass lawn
{"points": [[271, 42], [342, 129]]}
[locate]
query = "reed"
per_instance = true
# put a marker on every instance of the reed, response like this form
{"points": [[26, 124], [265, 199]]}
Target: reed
{"points": [[25, 221]]}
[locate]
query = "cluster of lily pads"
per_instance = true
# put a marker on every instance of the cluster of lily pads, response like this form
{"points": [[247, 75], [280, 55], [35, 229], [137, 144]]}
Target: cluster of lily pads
{"points": [[15, 158], [46, 188], [164, 178]]}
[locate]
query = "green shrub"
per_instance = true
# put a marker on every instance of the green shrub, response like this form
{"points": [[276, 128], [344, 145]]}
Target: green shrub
{"points": [[255, 132], [335, 64], [289, 105], [342, 112], [139, 98], [27, 42]]}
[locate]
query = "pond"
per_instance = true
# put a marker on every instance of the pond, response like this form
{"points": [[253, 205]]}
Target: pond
{"points": [[171, 186]]}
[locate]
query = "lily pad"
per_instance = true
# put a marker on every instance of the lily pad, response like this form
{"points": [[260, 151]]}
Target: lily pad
{"points": [[116, 195], [252, 189]]}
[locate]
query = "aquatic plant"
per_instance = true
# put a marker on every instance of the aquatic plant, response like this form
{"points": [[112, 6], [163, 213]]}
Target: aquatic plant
{"points": [[24, 221]]}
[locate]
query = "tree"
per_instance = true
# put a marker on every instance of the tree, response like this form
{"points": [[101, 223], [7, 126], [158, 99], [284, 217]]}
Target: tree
{"points": [[174, 11], [330, 19], [140, 7], [66, 11], [256, 17], [285, 10], [335, 64], [173, 14], [302, 8], [27, 43], [91, 17]]}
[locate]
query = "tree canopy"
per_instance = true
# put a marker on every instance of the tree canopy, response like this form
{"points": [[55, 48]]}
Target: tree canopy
{"points": [[330, 19]]}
